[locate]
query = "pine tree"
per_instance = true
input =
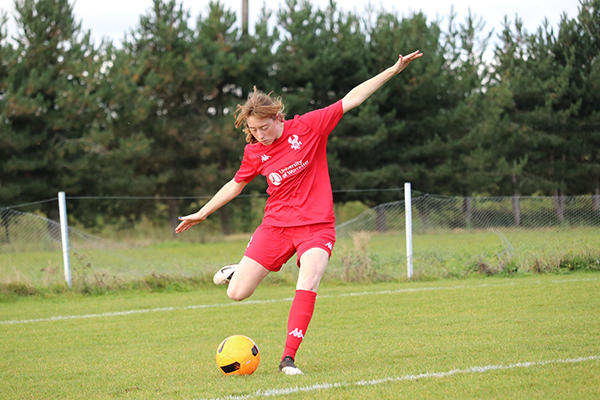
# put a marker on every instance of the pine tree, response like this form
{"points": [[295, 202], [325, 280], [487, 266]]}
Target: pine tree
{"points": [[221, 145], [49, 103], [117, 146], [321, 57], [471, 139], [7, 137], [580, 39], [6, 51], [256, 58], [512, 143], [406, 130], [538, 141], [161, 100], [235, 62]]}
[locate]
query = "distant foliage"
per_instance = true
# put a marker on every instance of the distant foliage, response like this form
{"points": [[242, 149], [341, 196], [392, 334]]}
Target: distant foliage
{"points": [[153, 115]]}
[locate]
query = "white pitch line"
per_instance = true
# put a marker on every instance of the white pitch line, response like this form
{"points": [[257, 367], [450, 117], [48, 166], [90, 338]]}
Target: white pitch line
{"points": [[425, 375], [139, 311], [269, 301]]}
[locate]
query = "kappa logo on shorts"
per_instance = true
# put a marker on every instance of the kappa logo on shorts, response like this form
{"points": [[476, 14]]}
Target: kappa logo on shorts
{"points": [[295, 142], [329, 245]]}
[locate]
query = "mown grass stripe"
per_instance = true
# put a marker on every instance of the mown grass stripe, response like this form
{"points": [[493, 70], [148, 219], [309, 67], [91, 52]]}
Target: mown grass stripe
{"points": [[269, 301], [426, 375]]}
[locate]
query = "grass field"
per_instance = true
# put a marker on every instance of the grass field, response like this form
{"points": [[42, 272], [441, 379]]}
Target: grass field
{"points": [[530, 337]]}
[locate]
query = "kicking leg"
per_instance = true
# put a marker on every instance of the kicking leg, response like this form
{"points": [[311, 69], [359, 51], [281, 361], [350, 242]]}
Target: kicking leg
{"points": [[246, 278]]}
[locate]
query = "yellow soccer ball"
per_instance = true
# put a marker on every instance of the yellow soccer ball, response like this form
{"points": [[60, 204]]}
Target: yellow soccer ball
{"points": [[237, 355]]}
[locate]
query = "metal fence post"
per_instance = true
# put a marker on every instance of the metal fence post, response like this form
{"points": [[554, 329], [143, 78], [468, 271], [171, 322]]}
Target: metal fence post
{"points": [[408, 224], [64, 234]]}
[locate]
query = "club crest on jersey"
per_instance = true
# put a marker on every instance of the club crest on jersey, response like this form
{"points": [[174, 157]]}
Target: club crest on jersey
{"points": [[295, 142], [275, 178]]}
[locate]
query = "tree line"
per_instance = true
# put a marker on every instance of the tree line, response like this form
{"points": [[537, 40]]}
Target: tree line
{"points": [[153, 115]]}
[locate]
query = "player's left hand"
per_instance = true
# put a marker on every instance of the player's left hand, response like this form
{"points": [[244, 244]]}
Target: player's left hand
{"points": [[188, 221], [403, 61]]}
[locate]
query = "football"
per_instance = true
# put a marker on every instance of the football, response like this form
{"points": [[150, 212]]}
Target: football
{"points": [[237, 355]]}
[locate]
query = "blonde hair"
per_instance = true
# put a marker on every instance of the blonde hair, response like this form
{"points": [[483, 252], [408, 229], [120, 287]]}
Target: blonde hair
{"points": [[258, 105]]}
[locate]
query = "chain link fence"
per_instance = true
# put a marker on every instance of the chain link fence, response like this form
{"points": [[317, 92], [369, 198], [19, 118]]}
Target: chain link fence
{"points": [[434, 213], [452, 237]]}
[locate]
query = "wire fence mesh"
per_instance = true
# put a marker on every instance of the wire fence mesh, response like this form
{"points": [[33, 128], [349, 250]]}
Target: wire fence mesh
{"points": [[456, 235], [452, 236]]}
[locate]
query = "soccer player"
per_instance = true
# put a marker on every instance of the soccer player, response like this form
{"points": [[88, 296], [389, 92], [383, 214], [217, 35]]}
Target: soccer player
{"points": [[299, 216]]}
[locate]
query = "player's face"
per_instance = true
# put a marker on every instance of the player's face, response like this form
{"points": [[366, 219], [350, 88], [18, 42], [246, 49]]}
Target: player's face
{"points": [[265, 130]]}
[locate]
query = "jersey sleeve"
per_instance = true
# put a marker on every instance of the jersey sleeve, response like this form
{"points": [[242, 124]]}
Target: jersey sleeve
{"points": [[325, 119], [247, 170]]}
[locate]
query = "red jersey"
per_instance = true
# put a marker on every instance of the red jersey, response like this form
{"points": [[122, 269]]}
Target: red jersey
{"points": [[296, 169]]}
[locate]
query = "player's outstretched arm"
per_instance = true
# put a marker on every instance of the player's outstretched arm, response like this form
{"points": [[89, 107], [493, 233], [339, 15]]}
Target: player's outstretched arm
{"points": [[360, 93], [227, 193]]}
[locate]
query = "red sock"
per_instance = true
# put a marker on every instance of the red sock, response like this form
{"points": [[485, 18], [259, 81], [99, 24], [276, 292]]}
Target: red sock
{"points": [[300, 314]]}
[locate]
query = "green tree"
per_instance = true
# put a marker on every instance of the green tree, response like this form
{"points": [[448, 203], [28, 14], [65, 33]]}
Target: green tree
{"points": [[513, 143], [535, 72], [161, 101], [471, 139], [48, 105], [117, 146], [410, 129], [6, 51], [238, 62], [322, 56], [7, 137], [256, 57], [313, 59], [579, 42], [217, 44]]}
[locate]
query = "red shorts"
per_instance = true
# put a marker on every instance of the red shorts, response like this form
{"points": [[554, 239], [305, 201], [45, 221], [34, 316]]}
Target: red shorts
{"points": [[272, 246]]}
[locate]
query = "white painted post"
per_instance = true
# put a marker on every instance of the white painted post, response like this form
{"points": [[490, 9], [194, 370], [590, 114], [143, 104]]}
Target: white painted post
{"points": [[64, 233], [408, 219]]}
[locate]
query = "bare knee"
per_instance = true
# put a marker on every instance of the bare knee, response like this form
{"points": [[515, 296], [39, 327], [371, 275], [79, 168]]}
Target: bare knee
{"points": [[312, 267], [246, 278], [236, 294], [309, 281]]}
